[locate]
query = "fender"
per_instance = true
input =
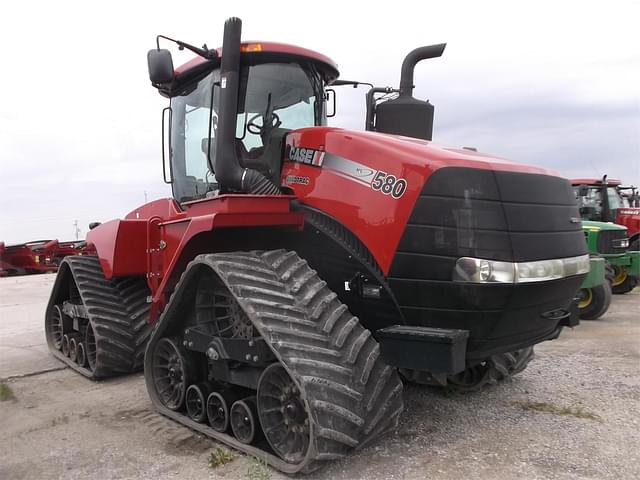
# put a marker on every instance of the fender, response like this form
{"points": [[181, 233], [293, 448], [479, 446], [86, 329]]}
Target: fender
{"points": [[154, 239]]}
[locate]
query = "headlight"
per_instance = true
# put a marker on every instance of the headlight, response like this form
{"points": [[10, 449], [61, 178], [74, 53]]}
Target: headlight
{"points": [[621, 243], [478, 270]]}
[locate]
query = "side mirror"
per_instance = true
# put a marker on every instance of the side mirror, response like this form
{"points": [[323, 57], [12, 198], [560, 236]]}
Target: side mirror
{"points": [[583, 191], [160, 66], [330, 101]]}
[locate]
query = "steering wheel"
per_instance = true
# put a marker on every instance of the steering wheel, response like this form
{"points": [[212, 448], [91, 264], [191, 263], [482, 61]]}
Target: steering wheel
{"points": [[257, 129]]}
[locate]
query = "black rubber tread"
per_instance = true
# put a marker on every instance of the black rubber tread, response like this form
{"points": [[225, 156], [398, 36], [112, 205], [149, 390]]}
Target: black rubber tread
{"points": [[629, 283], [352, 397], [600, 302], [496, 368], [118, 312], [625, 287]]}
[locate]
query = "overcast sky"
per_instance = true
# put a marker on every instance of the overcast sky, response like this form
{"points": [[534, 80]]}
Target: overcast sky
{"points": [[555, 84]]}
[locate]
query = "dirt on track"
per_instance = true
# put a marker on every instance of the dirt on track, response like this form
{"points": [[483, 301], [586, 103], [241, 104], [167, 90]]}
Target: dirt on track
{"points": [[573, 414]]}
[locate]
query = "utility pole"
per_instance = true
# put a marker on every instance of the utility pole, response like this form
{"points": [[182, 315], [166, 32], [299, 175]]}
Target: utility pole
{"points": [[76, 229], [145, 196]]}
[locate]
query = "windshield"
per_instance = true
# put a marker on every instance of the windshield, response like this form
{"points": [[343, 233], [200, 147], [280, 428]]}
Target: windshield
{"points": [[192, 177], [614, 198], [274, 99], [590, 205]]}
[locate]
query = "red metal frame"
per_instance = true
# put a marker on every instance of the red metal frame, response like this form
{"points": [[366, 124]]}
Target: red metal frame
{"points": [[155, 239]]}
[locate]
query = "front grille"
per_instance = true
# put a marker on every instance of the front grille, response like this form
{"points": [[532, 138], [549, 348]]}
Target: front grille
{"points": [[505, 216], [609, 241]]}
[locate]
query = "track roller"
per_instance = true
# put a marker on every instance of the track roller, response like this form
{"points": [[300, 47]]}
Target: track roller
{"points": [[218, 405], [196, 401], [73, 348], [81, 354], [64, 345], [244, 420]]}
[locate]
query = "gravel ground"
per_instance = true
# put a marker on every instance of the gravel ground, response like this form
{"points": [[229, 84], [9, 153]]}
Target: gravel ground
{"points": [[573, 414]]}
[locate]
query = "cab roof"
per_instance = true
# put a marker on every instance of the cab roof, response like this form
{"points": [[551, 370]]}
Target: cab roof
{"points": [[595, 181], [256, 49]]}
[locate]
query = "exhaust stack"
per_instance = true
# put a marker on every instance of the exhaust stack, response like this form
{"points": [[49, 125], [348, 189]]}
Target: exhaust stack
{"points": [[406, 115], [230, 175]]}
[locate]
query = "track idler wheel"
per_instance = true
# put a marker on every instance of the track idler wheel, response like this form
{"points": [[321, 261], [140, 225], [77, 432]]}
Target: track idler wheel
{"points": [[283, 414], [55, 327], [196, 401], [171, 373], [244, 420], [81, 354]]}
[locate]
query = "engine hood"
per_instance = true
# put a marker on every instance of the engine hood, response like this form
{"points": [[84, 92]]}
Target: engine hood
{"points": [[378, 149]]}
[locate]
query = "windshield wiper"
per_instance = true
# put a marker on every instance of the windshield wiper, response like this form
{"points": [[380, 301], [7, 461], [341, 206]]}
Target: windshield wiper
{"points": [[203, 52]]}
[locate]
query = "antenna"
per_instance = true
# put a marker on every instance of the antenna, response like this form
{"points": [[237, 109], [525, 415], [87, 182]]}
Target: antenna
{"points": [[76, 229]]}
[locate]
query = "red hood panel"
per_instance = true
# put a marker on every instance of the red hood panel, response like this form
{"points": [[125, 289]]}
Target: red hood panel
{"points": [[370, 182]]}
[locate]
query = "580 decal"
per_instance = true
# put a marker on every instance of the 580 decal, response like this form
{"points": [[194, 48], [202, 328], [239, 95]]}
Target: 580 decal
{"points": [[389, 184]]}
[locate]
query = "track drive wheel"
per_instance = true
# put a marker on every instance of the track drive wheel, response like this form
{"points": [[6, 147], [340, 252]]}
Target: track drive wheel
{"points": [[283, 414], [171, 372]]}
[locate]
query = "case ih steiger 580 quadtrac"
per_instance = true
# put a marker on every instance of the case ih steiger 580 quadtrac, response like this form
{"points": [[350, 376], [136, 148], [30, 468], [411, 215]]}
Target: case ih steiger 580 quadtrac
{"points": [[299, 267]]}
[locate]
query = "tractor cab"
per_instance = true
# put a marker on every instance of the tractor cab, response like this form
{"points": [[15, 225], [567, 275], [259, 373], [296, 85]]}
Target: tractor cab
{"points": [[279, 88], [598, 199]]}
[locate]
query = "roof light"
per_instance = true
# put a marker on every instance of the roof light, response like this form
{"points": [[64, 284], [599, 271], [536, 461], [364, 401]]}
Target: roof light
{"points": [[251, 47]]}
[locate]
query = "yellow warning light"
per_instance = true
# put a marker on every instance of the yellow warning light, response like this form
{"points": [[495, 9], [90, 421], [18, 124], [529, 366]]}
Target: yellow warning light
{"points": [[251, 47]]}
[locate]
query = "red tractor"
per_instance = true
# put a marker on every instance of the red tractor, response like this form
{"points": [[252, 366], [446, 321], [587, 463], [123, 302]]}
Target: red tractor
{"points": [[299, 269], [26, 258], [40, 256], [606, 200]]}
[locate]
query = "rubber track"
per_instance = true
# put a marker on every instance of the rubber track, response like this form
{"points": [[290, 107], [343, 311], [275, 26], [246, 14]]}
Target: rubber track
{"points": [[498, 368], [118, 311], [352, 396]]}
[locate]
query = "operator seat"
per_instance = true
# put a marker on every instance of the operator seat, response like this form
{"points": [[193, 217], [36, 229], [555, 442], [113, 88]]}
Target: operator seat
{"points": [[266, 159]]}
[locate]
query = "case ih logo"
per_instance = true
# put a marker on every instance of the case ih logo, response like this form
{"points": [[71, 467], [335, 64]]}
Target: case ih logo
{"points": [[308, 156]]}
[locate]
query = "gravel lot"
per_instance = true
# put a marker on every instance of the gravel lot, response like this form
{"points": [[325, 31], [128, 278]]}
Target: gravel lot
{"points": [[573, 414]]}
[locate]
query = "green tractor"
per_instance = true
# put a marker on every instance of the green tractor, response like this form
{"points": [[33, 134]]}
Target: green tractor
{"points": [[594, 296], [610, 241]]}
